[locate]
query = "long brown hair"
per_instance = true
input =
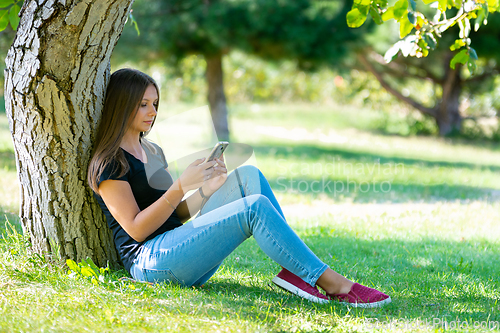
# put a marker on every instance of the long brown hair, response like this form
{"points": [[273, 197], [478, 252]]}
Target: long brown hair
{"points": [[124, 94]]}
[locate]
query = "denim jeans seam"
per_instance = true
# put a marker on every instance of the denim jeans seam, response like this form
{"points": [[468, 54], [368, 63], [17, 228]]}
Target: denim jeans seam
{"points": [[158, 253], [166, 251], [237, 187], [177, 280], [320, 272], [228, 195]]}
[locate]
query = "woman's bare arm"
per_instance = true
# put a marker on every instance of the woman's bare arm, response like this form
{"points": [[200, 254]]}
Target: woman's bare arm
{"points": [[119, 199], [189, 207]]}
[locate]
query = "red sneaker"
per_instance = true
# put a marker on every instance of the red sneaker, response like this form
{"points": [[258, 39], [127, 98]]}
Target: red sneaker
{"points": [[362, 297], [292, 283]]}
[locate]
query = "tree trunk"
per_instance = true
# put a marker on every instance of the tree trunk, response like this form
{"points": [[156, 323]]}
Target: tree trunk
{"points": [[216, 96], [55, 79], [448, 117]]}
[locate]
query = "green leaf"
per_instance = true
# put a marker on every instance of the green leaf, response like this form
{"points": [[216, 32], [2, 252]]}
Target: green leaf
{"points": [[400, 8], [422, 43], [72, 265], [420, 21], [375, 15], [472, 53], [428, 1], [388, 14], [423, 48], [4, 19], [360, 3], [471, 65], [91, 264], [486, 12], [479, 19], [412, 18], [134, 23], [457, 45], [460, 58], [405, 27], [413, 5], [442, 5], [88, 272], [493, 5], [364, 10], [381, 3], [14, 16], [355, 18], [6, 3]]}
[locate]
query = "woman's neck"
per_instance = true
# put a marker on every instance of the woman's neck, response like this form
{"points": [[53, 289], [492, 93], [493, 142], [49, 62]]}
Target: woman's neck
{"points": [[132, 144]]}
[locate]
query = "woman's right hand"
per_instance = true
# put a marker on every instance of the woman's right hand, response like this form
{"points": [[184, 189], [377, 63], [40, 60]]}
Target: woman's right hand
{"points": [[196, 174]]}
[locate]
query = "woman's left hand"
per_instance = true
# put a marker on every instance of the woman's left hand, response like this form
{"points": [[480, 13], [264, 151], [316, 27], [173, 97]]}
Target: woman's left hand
{"points": [[218, 177]]}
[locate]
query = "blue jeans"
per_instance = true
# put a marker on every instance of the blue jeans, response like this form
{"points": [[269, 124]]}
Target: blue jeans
{"points": [[189, 255]]}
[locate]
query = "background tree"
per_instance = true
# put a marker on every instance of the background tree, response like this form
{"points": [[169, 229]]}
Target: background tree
{"points": [[313, 33], [423, 29], [450, 84], [55, 79], [422, 24], [9, 20]]}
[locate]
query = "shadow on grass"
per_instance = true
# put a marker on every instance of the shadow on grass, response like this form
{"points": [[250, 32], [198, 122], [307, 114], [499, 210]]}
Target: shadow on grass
{"points": [[453, 140], [297, 151], [380, 192], [341, 186], [426, 279]]}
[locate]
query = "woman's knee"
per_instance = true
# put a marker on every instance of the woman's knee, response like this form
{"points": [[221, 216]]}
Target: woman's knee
{"points": [[249, 171], [249, 177], [262, 212], [259, 202]]}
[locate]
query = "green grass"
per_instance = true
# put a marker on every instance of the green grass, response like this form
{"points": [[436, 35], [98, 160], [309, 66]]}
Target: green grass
{"points": [[430, 241]]}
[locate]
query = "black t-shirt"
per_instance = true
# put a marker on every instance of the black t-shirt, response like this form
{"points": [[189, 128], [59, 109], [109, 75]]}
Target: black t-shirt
{"points": [[148, 182]]}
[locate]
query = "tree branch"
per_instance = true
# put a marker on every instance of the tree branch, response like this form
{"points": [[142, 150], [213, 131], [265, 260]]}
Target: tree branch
{"points": [[486, 75], [393, 91], [393, 68]]}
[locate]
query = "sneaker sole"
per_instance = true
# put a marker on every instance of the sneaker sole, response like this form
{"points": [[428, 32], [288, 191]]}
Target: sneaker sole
{"points": [[369, 305], [297, 291]]}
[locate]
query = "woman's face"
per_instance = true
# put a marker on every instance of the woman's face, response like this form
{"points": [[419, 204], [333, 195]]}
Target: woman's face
{"points": [[147, 111]]}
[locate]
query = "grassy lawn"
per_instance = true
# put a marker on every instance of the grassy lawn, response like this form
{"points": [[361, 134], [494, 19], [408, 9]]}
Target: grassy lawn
{"points": [[416, 217]]}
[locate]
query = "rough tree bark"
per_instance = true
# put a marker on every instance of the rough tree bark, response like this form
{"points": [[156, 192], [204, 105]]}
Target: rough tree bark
{"points": [[448, 116], [56, 73], [216, 96]]}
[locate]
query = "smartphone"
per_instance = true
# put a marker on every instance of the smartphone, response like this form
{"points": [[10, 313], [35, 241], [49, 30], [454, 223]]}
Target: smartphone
{"points": [[218, 150]]}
